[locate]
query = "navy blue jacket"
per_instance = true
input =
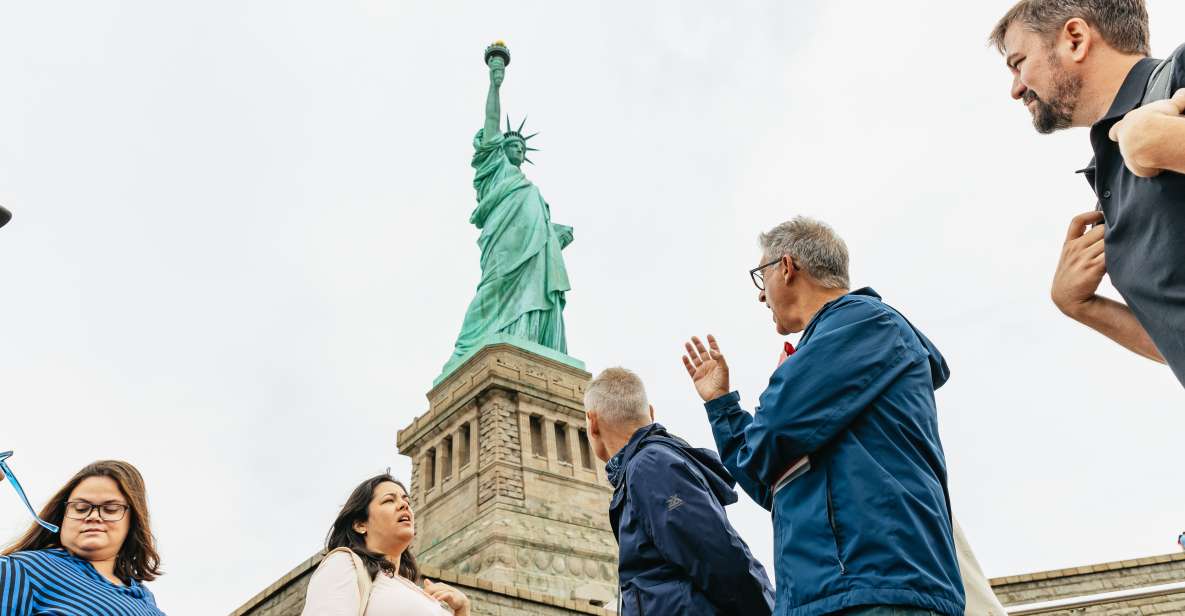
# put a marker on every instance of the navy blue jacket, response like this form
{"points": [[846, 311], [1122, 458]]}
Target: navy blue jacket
{"points": [[677, 553], [869, 522]]}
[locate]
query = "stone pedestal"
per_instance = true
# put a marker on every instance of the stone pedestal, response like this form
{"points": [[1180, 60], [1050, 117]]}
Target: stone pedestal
{"points": [[504, 482]]}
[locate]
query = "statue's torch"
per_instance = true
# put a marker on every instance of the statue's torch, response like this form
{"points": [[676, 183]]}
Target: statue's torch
{"points": [[498, 50]]}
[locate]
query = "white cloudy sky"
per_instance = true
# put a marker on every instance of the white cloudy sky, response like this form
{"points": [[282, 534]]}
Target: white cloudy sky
{"points": [[240, 250]]}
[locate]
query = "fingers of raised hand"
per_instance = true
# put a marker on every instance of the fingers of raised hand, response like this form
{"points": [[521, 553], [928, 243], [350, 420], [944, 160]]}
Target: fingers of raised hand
{"points": [[699, 346], [714, 347], [692, 355]]}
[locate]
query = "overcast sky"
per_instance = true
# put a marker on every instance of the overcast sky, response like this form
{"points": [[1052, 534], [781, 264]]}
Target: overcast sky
{"points": [[240, 251]]}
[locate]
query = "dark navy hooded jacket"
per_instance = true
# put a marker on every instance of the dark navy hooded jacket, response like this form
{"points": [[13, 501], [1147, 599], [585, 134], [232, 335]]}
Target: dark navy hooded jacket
{"points": [[869, 523], [677, 553]]}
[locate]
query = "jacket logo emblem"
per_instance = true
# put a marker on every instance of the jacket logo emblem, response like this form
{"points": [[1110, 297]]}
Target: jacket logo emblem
{"points": [[674, 502]]}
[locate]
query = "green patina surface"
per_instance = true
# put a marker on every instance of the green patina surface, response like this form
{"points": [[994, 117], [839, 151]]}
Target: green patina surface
{"points": [[520, 298]]}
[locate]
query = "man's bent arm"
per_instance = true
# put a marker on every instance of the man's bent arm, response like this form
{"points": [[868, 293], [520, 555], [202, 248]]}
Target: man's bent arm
{"points": [[1115, 321], [1151, 138], [849, 360], [729, 421], [1158, 143]]}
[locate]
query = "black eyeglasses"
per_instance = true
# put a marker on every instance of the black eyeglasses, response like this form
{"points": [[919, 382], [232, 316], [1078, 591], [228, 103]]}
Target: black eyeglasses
{"points": [[108, 512], [759, 278]]}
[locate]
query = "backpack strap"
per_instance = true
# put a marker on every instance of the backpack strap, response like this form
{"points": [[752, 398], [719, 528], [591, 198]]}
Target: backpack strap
{"points": [[365, 584], [1161, 80]]}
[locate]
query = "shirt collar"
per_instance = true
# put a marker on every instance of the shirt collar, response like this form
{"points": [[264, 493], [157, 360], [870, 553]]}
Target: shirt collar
{"points": [[1132, 91], [133, 586]]}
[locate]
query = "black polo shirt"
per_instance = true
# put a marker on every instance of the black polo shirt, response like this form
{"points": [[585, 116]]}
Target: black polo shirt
{"points": [[1145, 233]]}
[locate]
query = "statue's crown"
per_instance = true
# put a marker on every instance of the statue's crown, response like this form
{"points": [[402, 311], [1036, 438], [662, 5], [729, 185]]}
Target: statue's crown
{"points": [[512, 133]]}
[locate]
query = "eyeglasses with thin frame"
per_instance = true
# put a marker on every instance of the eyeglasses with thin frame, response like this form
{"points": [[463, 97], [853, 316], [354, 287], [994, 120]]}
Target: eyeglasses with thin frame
{"points": [[759, 278], [108, 512]]}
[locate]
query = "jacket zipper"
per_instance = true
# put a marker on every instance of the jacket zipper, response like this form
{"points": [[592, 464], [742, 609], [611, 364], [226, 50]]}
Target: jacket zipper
{"points": [[834, 528]]}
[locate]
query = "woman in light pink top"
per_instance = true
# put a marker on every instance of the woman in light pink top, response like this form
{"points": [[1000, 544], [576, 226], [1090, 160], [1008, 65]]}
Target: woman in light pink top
{"points": [[377, 525]]}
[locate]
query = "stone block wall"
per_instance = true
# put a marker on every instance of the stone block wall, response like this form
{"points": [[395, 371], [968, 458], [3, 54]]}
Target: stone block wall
{"points": [[1018, 591], [504, 482]]}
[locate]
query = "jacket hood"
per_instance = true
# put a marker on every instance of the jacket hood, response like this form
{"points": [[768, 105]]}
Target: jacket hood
{"points": [[939, 370], [707, 461]]}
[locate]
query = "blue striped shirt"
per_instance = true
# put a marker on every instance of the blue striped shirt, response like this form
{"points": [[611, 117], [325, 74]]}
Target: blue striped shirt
{"points": [[56, 583]]}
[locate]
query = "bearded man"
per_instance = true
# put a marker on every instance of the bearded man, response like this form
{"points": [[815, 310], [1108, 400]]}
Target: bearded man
{"points": [[1084, 63]]}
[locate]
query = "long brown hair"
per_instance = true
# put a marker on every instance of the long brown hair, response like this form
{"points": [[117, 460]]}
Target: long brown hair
{"points": [[343, 535], [137, 558]]}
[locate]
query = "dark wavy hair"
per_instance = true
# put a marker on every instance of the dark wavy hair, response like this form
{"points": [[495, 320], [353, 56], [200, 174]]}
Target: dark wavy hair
{"points": [[137, 558], [357, 509]]}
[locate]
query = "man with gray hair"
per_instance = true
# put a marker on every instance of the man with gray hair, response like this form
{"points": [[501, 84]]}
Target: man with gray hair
{"points": [[677, 552], [844, 447]]}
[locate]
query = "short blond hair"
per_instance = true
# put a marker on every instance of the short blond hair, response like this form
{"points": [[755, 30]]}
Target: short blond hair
{"points": [[618, 397]]}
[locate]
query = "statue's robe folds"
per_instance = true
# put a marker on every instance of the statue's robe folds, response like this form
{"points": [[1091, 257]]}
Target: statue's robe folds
{"points": [[523, 278]]}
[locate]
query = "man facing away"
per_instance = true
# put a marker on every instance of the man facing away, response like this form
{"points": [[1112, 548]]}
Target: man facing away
{"points": [[677, 552], [844, 448], [1084, 63]]}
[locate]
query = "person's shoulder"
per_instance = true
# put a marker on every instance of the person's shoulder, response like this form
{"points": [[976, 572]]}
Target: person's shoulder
{"points": [[1178, 77], [662, 462], [652, 460], [856, 308], [336, 563], [1178, 54], [864, 318], [33, 557], [32, 560]]}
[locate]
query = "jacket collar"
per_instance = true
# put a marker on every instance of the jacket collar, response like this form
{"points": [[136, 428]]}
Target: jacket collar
{"points": [[615, 468], [810, 327]]}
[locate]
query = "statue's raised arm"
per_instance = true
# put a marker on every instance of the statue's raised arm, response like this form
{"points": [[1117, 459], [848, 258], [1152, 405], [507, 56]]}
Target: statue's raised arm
{"points": [[497, 57]]}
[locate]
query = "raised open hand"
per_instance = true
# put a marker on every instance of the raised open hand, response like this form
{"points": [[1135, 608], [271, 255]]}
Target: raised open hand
{"points": [[497, 71], [706, 367]]}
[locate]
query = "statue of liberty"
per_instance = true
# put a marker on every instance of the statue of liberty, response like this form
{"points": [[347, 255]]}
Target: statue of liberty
{"points": [[523, 278]]}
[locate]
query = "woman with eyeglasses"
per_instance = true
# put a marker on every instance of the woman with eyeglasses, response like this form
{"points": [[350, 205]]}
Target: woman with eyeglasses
{"points": [[99, 560], [368, 569]]}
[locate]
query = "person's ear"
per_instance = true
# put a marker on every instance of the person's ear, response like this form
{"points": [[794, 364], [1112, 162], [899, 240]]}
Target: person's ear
{"points": [[594, 427], [1076, 38], [651, 413], [787, 269], [360, 528]]}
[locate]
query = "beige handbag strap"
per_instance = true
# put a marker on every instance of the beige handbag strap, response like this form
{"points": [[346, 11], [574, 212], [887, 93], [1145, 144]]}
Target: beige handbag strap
{"points": [[364, 582]]}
